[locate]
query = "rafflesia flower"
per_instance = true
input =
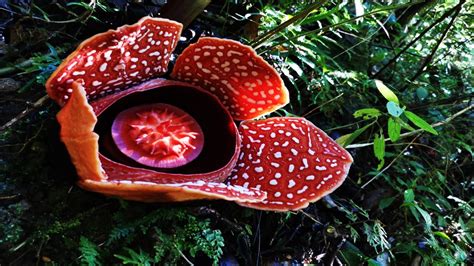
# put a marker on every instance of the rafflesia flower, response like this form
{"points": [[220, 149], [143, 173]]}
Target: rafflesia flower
{"points": [[134, 136]]}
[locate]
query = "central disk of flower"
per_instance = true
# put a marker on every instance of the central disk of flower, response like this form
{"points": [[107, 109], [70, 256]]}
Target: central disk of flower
{"points": [[158, 135]]}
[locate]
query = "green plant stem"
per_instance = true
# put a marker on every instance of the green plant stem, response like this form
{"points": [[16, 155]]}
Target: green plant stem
{"points": [[321, 105], [411, 133], [391, 163]]}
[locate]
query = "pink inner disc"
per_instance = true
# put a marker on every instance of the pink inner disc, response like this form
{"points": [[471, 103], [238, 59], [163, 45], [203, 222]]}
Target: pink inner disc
{"points": [[158, 135]]}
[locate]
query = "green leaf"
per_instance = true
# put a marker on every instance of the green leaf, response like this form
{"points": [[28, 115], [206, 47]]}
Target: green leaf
{"points": [[405, 125], [372, 262], [386, 92], [90, 252], [379, 149], [394, 109], [367, 113], [384, 203], [442, 235], [347, 139], [426, 216], [418, 121], [409, 196], [352, 255], [394, 129], [467, 147]]}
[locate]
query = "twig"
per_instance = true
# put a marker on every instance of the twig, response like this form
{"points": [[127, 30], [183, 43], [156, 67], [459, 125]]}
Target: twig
{"points": [[439, 102], [321, 105], [25, 112], [262, 38], [366, 39], [258, 236], [449, 119], [182, 255], [309, 216], [436, 22], [325, 29], [9, 197], [429, 58], [390, 164]]}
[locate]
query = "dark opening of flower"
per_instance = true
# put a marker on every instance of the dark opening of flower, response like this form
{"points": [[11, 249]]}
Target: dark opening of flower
{"points": [[139, 138], [216, 143]]}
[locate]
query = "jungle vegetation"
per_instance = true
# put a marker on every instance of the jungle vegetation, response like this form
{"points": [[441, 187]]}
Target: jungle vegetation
{"points": [[392, 81]]}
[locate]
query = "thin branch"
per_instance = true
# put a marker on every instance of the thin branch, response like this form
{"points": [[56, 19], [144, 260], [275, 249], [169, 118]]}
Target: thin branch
{"points": [[40, 102], [182, 255], [262, 38], [366, 39], [321, 105], [417, 38], [391, 163], [325, 29], [429, 58], [444, 101], [411, 133]]}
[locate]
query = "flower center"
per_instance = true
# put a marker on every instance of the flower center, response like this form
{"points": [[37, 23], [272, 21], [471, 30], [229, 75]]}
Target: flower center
{"points": [[158, 135]]}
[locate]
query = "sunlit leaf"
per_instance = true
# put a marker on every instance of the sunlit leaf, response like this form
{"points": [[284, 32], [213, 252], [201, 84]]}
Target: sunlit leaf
{"points": [[379, 149], [420, 122], [426, 216], [409, 196], [394, 129], [386, 92], [347, 139], [367, 113], [442, 235]]}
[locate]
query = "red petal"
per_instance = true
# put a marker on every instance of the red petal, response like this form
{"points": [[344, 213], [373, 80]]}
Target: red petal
{"points": [[117, 58], [152, 192], [77, 121], [292, 160], [247, 85]]}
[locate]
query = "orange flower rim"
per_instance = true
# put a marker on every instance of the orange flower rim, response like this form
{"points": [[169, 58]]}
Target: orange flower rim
{"points": [[195, 136]]}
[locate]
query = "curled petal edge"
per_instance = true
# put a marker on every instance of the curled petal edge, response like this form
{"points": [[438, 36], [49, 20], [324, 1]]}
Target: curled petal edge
{"points": [[77, 120], [172, 192]]}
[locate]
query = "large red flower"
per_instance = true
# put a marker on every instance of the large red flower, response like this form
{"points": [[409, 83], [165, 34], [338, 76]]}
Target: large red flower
{"points": [[137, 137]]}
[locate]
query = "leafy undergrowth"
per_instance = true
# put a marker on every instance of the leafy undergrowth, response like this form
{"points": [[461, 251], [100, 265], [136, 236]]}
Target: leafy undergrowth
{"points": [[391, 83]]}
